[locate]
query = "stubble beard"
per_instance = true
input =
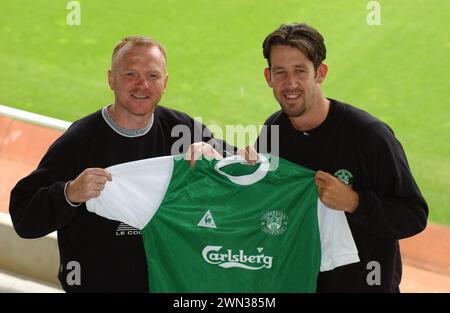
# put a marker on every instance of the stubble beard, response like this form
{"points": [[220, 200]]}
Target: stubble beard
{"points": [[293, 110]]}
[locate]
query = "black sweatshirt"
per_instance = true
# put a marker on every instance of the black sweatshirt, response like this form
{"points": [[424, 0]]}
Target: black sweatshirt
{"points": [[362, 150], [110, 254]]}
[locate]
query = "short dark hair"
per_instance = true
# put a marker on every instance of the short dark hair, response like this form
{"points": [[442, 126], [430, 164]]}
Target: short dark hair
{"points": [[298, 35]]}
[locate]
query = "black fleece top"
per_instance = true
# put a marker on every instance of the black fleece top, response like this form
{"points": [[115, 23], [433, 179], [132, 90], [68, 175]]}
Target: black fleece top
{"points": [[110, 255], [363, 151]]}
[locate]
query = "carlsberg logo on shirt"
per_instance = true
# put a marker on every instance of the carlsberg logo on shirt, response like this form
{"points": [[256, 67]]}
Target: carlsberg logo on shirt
{"points": [[228, 259]]}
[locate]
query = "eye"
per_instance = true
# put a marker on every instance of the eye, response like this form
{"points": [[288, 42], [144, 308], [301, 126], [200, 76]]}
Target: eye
{"points": [[130, 74], [154, 75]]}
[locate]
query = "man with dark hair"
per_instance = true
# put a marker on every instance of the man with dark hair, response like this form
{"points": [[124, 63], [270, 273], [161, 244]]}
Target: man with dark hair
{"points": [[301, 36], [361, 167], [98, 254]]}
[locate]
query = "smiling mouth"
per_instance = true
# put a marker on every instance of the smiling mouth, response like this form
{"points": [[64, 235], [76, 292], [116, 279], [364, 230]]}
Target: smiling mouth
{"points": [[292, 96], [138, 97]]}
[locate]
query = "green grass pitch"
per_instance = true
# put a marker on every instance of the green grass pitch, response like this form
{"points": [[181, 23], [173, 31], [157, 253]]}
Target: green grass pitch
{"points": [[398, 71]]}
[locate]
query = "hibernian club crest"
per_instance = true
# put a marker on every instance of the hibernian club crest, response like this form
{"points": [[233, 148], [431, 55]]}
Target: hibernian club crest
{"points": [[274, 222], [344, 176]]}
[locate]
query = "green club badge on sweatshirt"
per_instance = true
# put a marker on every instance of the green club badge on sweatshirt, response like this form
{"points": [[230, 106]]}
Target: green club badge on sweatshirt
{"points": [[344, 176]]}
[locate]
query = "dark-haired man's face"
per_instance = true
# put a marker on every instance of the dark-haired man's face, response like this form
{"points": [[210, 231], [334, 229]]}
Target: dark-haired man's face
{"points": [[293, 80]]}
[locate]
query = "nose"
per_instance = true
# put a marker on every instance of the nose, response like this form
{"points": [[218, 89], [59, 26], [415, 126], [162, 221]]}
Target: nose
{"points": [[291, 81], [142, 82]]}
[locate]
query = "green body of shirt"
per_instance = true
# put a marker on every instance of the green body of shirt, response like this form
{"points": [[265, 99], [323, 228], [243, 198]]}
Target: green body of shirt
{"points": [[212, 235]]}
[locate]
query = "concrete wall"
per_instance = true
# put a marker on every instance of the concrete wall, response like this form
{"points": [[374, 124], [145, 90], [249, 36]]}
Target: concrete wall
{"points": [[35, 258], [24, 138]]}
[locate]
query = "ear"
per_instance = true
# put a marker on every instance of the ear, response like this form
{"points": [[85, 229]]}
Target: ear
{"points": [[111, 79], [268, 76], [165, 81], [321, 73]]}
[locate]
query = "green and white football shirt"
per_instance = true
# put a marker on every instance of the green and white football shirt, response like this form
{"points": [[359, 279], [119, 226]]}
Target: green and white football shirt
{"points": [[226, 226]]}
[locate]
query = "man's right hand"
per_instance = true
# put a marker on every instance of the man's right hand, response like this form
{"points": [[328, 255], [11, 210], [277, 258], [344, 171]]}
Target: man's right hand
{"points": [[249, 154], [87, 185]]}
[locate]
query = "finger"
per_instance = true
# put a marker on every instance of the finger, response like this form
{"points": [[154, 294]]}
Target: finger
{"points": [[324, 195], [99, 179], [197, 152], [319, 191], [191, 159], [189, 155], [250, 159], [214, 153], [248, 155], [252, 155], [217, 155], [194, 153], [328, 176], [319, 181], [323, 176], [205, 152], [241, 152], [98, 171], [98, 187], [209, 152], [95, 194], [244, 153]]}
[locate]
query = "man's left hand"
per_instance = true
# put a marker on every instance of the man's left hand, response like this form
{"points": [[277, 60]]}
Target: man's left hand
{"points": [[334, 193], [201, 149]]}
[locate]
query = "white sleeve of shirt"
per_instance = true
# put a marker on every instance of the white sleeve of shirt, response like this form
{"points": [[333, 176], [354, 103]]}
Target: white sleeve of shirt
{"points": [[135, 192], [336, 240]]}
